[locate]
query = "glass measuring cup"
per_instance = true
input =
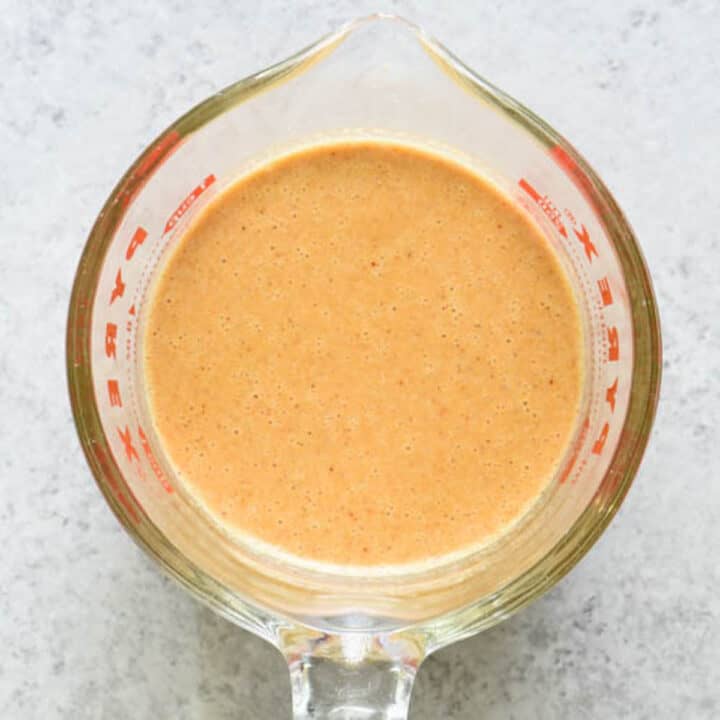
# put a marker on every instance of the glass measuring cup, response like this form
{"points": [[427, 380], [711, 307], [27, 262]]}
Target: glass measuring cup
{"points": [[354, 640]]}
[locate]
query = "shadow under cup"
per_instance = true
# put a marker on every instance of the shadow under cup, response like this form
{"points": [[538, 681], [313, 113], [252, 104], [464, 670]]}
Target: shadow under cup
{"points": [[378, 77]]}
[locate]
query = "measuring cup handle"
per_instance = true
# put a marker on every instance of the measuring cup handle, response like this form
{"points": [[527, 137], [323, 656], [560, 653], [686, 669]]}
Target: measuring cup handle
{"points": [[351, 675]]}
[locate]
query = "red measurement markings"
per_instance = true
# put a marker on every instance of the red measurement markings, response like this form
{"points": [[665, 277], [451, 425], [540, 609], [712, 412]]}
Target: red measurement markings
{"points": [[126, 438], [136, 241], [119, 290], [610, 394], [568, 214], [187, 203], [576, 174], [599, 444], [154, 158], [584, 237], [605, 294], [610, 398], [114, 393], [577, 447], [154, 464], [111, 340], [613, 344], [546, 205], [111, 329]]}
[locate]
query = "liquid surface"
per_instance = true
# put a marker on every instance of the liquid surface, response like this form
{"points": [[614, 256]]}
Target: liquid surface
{"points": [[364, 354]]}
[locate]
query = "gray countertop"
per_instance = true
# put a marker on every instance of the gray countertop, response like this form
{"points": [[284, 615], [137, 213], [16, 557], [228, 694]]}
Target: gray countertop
{"points": [[89, 630]]}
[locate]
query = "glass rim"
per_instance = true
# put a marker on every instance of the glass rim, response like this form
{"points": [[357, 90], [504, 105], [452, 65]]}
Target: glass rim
{"points": [[646, 371]]}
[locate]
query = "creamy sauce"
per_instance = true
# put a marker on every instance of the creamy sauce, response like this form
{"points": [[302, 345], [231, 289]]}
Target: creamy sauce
{"points": [[365, 354]]}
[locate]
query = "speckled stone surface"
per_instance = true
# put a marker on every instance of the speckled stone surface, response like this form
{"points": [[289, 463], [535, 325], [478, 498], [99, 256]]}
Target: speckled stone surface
{"points": [[88, 629]]}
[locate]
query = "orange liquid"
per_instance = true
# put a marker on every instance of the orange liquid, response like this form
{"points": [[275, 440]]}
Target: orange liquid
{"points": [[362, 353]]}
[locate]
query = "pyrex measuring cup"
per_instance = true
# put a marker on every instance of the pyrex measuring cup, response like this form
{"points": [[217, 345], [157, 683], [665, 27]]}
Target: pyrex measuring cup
{"points": [[353, 641]]}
